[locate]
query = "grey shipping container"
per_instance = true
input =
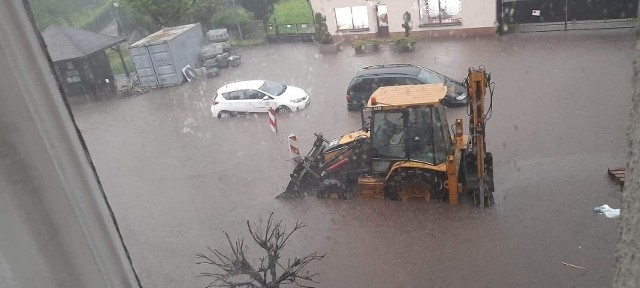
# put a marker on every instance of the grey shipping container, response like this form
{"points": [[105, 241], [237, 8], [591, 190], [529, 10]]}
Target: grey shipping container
{"points": [[160, 57]]}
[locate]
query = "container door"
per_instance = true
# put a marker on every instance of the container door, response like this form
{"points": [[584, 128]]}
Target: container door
{"points": [[163, 65], [144, 67]]}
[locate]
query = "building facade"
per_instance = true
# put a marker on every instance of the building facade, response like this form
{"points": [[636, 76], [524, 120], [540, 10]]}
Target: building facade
{"points": [[352, 19]]}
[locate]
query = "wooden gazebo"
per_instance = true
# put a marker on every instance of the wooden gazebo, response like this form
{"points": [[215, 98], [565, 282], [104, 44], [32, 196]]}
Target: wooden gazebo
{"points": [[80, 61]]}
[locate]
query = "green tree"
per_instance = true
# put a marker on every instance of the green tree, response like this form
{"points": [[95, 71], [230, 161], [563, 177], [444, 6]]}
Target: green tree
{"points": [[322, 31], [230, 18], [261, 9], [164, 12], [204, 10], [60, 12], [131, 19]]}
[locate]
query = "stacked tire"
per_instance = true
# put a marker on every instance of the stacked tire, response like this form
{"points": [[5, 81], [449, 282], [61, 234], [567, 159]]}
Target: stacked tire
{"points": [[216, 54]]}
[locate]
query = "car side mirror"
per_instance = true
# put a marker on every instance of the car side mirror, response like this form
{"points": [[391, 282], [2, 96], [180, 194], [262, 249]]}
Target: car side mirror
{"points": [[265, 98]]}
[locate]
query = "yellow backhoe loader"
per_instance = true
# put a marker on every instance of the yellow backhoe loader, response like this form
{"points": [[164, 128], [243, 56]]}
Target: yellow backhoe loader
{"points": [[405, 149]]}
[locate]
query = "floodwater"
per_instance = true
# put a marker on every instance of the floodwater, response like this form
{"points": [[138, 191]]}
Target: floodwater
{"points": [[177, 178]]}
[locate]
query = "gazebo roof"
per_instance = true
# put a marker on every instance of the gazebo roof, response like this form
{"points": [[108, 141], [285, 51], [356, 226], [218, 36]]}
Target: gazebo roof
{"points": [[64, 43]]}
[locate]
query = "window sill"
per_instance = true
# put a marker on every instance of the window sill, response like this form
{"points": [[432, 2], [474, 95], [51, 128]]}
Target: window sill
{"points": [[353, 30], [430, 25]]}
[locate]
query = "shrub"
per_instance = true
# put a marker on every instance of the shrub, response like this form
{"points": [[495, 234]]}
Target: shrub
{"points": [[403, 43], [358, 44], [374, 42], [403, 40], [322, 31]]}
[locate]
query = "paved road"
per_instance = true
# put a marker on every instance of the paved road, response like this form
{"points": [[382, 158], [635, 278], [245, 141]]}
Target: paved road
{"points": [[177, 178]]}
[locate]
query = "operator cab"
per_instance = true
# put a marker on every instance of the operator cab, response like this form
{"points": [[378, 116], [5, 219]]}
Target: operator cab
{"points": [[408, 123]]}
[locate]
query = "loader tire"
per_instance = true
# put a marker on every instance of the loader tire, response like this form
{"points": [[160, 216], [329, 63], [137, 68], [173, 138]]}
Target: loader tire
{"points": [[402, 181], [332, 188]]}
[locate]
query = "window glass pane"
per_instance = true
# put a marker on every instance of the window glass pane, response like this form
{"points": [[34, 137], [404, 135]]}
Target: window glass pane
{"points": [[440, 143], [439, 11], [383, 19], [233, 95], [273, 88], [390, 81], [432, 8], [362, 85], [421, 130], [343, 18], [360, 17], [388, 135], [252, 94], [451, 8], [448, 142], [430, 77], [412, 81]]}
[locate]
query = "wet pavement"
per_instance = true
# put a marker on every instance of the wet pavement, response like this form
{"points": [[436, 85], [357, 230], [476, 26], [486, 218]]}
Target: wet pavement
{"points": [[177, 178]]}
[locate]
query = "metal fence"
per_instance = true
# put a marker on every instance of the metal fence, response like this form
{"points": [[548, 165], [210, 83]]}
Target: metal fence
{"points": [[253, 30], [563, 15], [295, 32], [573, 25]]}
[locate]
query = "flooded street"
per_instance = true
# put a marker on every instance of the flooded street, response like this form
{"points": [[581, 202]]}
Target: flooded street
{"points": [[176, 177]]}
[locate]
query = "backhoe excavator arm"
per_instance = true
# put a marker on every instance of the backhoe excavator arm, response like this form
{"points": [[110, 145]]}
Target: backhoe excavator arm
{"points": [[477, 83]]}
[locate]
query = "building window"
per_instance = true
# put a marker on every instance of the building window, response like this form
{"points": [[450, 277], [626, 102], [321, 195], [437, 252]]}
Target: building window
{"points": [[72, 76], [352, 18], [440, 11]]}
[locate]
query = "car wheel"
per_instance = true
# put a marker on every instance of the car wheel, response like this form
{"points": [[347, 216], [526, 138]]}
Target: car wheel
{"points": [[224, 114], [283, 109]]}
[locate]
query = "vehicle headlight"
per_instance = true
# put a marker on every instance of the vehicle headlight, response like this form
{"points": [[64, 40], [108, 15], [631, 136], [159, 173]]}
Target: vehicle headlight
{"points": [[461, 97], [299, 100]]}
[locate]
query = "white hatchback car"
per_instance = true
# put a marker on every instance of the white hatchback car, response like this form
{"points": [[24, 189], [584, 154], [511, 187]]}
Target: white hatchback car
{"points": [[257, 96]]}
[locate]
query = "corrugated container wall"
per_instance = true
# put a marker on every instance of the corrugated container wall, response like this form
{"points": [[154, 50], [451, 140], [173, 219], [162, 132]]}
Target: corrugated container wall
{"points": [[160, 57]]}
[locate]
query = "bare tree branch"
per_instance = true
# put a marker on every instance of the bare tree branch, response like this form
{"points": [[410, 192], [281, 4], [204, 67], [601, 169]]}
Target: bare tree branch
{"points": [[234, 270]]}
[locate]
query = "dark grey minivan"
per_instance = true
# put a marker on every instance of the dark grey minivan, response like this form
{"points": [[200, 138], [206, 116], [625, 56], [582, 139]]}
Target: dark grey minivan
{"points": [[371, 78]]}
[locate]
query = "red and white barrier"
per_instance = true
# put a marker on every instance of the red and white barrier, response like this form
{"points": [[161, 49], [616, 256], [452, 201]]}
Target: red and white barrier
{"points": [[272, 120], [294, 151]]}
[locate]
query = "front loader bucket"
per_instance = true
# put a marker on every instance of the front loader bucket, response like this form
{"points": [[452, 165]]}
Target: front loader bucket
{"points": [[307, 173], [300, 185]]}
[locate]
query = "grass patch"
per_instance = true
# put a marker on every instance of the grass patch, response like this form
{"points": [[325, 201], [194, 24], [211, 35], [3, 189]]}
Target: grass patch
{"points": [[292, 17], [292, 12], [114, 60]]}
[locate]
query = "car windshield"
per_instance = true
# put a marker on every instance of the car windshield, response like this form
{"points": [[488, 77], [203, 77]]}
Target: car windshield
{"points": [[430, 77], [273, 88]]}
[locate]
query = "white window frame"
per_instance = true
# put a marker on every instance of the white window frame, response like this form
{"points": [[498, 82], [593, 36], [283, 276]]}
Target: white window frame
{"points": [[353, 27], [434, 12]]}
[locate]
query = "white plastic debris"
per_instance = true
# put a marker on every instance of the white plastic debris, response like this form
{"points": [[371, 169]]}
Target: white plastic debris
{"points": [[607, 211]]}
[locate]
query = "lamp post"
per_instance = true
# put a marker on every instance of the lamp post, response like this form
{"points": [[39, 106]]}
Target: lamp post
{"points": [[116, 4], [235, 9]]}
